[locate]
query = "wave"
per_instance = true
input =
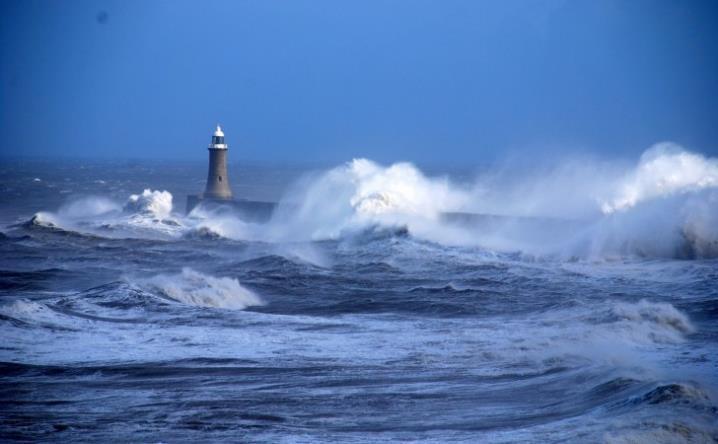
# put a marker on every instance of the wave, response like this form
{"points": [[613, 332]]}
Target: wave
{"points": [[617, 332], [146, 215], [153, 203], [42, 219], [362, 194], [639, 323], [676, 393], [664, 206], [665, 169], [195, 288], [659, 315], [45, 222], [220, 222], [675, 432], [32, 313], [131, 300], [669, 412]]}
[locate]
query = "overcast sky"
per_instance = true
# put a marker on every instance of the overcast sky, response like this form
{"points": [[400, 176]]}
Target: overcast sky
{"points": [[443, 81]]}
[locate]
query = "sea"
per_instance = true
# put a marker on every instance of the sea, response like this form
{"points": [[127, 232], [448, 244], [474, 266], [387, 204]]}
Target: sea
{"points": [[381, 303]]}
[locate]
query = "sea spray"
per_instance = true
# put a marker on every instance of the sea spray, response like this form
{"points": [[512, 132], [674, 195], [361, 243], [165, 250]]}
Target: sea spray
{"points": [[663, 170], [509, 346], [666, 205], [360, 194], [88, 207], [194, 288], [155, 203]]}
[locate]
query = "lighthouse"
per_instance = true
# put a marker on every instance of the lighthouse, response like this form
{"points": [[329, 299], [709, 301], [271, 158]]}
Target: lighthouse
{"points": [[217, 195], [217, 181]]}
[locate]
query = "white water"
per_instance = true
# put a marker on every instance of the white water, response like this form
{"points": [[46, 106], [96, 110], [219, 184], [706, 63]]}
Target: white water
{"points": [[665, 169], [154, 203], [195, 288], [665, 206]]}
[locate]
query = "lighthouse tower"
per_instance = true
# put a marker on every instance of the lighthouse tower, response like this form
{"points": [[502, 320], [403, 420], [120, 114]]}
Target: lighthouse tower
{"points": [[217, 180], [217, 193]]}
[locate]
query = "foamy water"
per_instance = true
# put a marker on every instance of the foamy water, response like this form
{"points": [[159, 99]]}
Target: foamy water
{"points": [[364, 311]]}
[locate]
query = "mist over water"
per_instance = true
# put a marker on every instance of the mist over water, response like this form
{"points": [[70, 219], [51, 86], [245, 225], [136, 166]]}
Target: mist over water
{"points": [[574, 302], [665, 206]]}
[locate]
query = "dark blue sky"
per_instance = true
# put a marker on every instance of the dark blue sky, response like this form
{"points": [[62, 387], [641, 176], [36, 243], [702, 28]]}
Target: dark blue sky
{"points": [[443, 81]]}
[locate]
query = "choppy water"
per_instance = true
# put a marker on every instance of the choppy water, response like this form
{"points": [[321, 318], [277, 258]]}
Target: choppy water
{"points": [[137, 323]]}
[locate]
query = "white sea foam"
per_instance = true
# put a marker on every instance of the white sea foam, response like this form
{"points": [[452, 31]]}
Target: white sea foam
{"points": [[664, 206], [618, 331], [194, 288], [155, 203], [37, 313], [144, 215], [671, 191], [651, 322], [220, 223], [663, 170], [362, 193], [45, 219]]}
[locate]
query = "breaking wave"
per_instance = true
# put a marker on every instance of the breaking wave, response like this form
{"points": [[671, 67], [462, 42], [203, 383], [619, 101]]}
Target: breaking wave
{"points": [[194, 288], [654, 322], [148, 214], [361, 194], [28, 311], [617, 332], [42, 219], [154, 203], [664, 206], [663, 170]]}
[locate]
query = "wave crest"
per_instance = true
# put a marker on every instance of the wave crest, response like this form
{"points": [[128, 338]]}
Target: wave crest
{"points": [[663, 170], [654, 322], [194, 288], [155, 203]]}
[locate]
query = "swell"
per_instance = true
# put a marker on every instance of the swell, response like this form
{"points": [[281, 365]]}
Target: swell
{"points": [[32, 280]]}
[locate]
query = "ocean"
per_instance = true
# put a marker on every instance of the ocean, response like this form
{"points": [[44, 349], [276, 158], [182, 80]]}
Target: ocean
{"points": [[582, 308]]}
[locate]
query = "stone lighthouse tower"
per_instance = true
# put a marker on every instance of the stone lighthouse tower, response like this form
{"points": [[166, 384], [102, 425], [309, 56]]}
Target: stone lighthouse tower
{"points": [[217, 193], [217, 180]]}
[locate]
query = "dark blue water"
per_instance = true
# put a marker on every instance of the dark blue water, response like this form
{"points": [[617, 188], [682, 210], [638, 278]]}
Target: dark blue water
{"points": [[136, 323]]}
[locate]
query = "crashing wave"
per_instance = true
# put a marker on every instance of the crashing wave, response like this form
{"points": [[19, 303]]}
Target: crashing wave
{"points": [[361, 194], [651, 322], [144, 215], [36, 313], [155, 203], [660, 313], [666, 206], [399, 188], [671, 191], [664, 170], [194, 288], [43, 220]]}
